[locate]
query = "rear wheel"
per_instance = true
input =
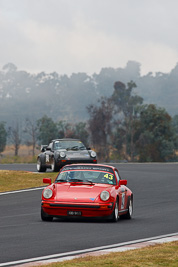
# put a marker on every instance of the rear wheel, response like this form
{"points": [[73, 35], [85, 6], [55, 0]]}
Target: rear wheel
{"points": [[115, 213], [54, 166], [45, 217], [39, 166]]}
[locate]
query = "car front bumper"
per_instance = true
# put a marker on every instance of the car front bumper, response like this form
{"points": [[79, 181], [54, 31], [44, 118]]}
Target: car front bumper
{"points": [[76, 160], [58, 209]]}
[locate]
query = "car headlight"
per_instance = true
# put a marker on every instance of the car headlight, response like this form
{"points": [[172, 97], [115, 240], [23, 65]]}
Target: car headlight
{"points": [[104, 195], [47, 193], [62, 154], [93, 154]]}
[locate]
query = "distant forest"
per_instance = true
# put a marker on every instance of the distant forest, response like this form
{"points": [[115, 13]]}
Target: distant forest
{"points": [[124, 115], [24, 95]]}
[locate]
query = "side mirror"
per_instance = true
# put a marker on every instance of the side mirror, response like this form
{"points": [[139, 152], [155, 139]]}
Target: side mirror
{"points": [[47, 181], [43, 148], [122, 182]]}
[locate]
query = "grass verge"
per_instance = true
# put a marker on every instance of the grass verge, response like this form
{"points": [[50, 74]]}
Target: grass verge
{"points": [[16, 180], [158, 255], [18, 159]]}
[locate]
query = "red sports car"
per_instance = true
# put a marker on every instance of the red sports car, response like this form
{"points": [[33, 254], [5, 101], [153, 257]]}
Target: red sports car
{"points": [[87, 190]]}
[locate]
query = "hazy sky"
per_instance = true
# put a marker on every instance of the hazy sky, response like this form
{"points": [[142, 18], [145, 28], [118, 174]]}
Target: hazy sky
{"points": [[70, 36]]}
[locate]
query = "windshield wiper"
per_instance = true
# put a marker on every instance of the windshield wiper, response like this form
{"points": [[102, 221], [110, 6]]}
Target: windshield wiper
{"points": [[75, 180], [61, 180], [73, 148], [89, 182], [80, 180], [82, 147]]}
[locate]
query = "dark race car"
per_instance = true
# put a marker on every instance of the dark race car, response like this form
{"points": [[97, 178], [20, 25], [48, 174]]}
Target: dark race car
{"points": [[64, 151], [87, 190]]}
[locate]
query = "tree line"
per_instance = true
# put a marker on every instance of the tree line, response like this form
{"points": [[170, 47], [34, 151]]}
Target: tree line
{"points": [[120, 127], [64, 97]]}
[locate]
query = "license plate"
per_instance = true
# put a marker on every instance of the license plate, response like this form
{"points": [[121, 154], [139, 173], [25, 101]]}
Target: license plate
{"points": [[74, 213]]}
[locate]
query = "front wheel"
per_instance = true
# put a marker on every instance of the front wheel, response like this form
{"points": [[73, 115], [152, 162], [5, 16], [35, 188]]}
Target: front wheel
{"points": [[39, 166], [115, 213], [45, 217], [130, 210], [129, 213]]}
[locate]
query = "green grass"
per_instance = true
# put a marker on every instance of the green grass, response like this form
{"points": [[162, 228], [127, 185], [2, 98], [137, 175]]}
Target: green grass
{"points": [[158, 255], [16, 180], [17, 159]]}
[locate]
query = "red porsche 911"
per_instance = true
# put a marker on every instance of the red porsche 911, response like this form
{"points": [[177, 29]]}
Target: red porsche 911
{"points": [[87, 190]]}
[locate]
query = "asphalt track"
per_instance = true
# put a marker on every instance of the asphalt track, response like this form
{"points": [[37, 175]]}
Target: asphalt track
{"points": [[23, 235]]}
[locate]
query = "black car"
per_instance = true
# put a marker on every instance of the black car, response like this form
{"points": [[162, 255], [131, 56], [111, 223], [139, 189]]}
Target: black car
{"points": [[64, 151]]}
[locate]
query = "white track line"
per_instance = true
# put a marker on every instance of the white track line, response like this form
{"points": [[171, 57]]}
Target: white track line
{"points": [[140, 243], [22, 190]]}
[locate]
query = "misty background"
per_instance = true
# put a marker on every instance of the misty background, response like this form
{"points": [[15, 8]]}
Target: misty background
{"points": [[67, 36], [62, 97], [59, 57]]}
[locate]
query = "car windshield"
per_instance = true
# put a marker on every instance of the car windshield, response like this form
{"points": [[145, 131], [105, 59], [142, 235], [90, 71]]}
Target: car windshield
{"points": [[69, 145], [85, 176]]}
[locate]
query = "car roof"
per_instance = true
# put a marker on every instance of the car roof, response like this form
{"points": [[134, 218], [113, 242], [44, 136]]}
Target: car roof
{"points": [[65, 139], [90, 164]]}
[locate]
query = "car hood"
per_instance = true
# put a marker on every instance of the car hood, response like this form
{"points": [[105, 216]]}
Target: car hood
{"points": [[75, 192]]}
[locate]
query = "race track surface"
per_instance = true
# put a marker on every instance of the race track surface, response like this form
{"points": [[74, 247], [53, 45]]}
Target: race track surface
{"points": [[23, 235]]}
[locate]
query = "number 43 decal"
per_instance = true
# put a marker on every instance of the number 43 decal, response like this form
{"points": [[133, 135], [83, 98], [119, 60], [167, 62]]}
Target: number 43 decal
{"points": [[108, 176]]}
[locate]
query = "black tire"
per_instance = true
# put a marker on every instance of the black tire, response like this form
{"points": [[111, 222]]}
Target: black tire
{"points": [[130, 210], [39, 166], [45, 217], [54, 166], [129, 213], [115, 213]]}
